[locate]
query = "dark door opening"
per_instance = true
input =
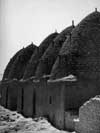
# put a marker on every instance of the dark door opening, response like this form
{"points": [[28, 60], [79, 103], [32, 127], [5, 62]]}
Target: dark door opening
{"points": [[50, 100], [34, 103], [22, 100]]}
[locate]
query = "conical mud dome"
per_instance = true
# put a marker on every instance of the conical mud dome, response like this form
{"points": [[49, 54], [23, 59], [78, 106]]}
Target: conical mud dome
{"points": [[9, 65], [50, 55], [19, 65], [34, 61], [80, 53]]}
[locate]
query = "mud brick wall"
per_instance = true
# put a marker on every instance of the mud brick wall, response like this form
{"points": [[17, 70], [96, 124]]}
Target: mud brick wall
{"points": [[26, 100], [20, 98], [12, 94], [76, 93], [0, 92], [56, 104], [42, 98], [9, 93], [32, 98], [4, 93], [37, 97], [21, 90], [89, 116], [69, 120]]}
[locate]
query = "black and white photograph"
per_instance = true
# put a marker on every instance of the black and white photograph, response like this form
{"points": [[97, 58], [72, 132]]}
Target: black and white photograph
{"points": [[49, 66]]}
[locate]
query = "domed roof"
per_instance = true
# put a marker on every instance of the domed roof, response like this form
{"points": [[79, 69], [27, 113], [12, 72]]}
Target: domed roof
{"points": [[50, 55], [83, 30], [9, 65], [31, 68], [19, 65], [80, 53]]}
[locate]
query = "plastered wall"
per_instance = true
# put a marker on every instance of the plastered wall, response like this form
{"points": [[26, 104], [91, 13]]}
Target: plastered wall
{"points": [[38, 97]]}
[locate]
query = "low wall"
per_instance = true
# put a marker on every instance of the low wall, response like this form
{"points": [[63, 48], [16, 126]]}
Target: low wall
{"points": [[89, 117]]}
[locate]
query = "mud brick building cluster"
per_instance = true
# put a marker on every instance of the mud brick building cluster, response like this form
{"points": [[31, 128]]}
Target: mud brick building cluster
{"points": [[56, 77]]}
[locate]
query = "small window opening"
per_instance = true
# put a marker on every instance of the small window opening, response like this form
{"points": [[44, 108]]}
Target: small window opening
{"points": [[50, 100]]}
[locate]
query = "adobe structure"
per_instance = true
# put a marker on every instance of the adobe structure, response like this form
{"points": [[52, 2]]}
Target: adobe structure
{"points": [[58, 76]]}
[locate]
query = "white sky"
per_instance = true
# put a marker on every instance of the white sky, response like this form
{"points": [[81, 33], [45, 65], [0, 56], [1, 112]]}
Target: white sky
{"points": [[26, 21]]}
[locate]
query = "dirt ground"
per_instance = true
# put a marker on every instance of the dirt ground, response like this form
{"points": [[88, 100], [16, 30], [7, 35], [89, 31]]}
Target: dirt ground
{"points": [[12, 122]]}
